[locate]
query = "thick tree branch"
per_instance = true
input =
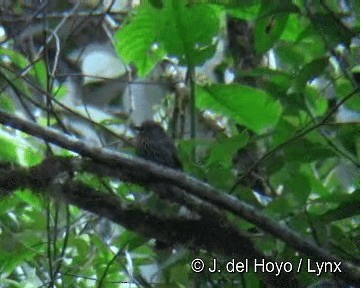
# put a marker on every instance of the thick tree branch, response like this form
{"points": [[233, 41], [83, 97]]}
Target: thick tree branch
{"points": [[53, 176], [155, 173]]}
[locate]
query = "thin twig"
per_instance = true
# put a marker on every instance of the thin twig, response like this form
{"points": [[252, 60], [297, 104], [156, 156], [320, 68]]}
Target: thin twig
{"points": [[295, 137]]}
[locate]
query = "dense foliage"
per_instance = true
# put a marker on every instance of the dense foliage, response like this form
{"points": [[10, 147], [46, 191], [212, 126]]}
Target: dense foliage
{"points": [[290, 145]]}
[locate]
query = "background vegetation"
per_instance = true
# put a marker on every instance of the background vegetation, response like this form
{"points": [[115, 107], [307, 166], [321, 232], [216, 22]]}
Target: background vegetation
{"points": [[261, 97]]}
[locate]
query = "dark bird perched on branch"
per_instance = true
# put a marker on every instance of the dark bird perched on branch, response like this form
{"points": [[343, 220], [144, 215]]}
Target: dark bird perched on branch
{"points": [[152, 143]]}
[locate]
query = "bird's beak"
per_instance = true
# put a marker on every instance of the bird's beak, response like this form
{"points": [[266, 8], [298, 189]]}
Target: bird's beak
{"points": [[138, 128]]}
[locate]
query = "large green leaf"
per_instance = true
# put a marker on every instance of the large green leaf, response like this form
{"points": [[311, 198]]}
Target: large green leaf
{"points": [[348, 206], [267, 31], [291, 56], [136, 42], [332, 29], [345, 210], [271, 22], [298, 189], [304, 150], [274, 81], [251, 107], [186, 32], [293, 28]]}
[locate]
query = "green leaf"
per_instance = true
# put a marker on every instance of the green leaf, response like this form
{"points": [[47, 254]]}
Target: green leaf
{"points": [[298, 189], [219, 176], [39, 68], [17, 248], [193, 166], [60, 92], [291, 56], [251, 107], [343, 88], [17, 149], [316, 102], [15, 81], [345, 210], [317, 187], [349, 137], [131, 240], [157, 3], [246, 10], [280, 206], [4, 282], [306, 151], [284, 130], [16, 58], [6, 103], [308, 72], [8, 203], [271, 23], [8, 148], [274, 81], [223, 151], [332, 29], [30, 198], [267, 31], [184, 32], [220, 160], [273, 8], [292, 29], [137, 42], [350, 206], [341, 238], [188, 33]]}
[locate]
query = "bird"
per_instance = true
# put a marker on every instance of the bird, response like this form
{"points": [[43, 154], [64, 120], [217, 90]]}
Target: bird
{"points": [[153, 144]]}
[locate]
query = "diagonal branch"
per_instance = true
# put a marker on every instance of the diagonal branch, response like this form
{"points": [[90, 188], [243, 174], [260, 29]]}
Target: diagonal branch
{"points": [[53, 176], [152, 172]]}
